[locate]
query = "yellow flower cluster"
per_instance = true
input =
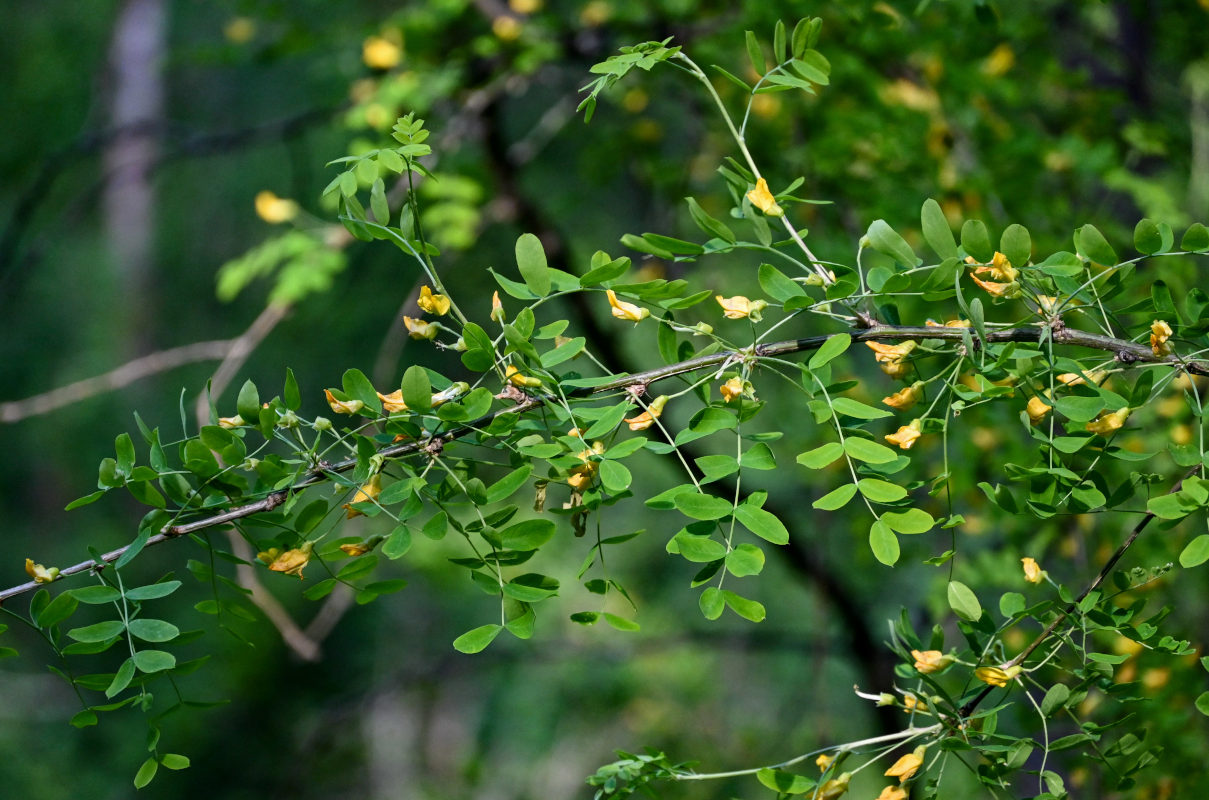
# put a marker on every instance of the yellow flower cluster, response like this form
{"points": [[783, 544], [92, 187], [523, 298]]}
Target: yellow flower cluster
{"points": [[1003, 276]]}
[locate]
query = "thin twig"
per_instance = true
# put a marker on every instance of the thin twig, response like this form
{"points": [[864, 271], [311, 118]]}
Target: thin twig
{"points": [[1125, 350]]}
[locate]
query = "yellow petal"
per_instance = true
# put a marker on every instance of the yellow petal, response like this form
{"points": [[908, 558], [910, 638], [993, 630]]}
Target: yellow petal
{"points": [[992, 676], [929, 661], [905, 398], [762, 199], [731, 389], [367, 492], [273, 209], [1032, 570], [1160, 332], [230, 422], [497, 308], [1108, 422], [1037, 409], [892, 793], [433, 303], [904, 438], [343, 406], [419, 329], [291, 562], [647, 418], [516, 378], [626, 311], [739, 307], [824, 761], [906, 766]]}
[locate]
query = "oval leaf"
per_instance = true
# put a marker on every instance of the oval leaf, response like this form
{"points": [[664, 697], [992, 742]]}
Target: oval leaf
{"points": [[531, 261], [964, 602]]}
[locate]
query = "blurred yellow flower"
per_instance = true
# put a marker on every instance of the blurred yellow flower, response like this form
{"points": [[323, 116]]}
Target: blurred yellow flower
{"points": [[904, 438], [239, 30], [929, 661], [1109, 421], [433, 303], [419, 329], [626, 311], [739, 307], [506, 28], [582, 475], [525, 6], [393, 402], [892, 793], [731, 389], [953, 323], [291, 562], [368, 491], [273, 209], [891, 357], [913, 703], [824, 761], [833, 788], [39, 573], [762, 199], [1032, 570], [905, 398], [343, 406], [230, 422], [355, 548], [1037, 409], [907, 765], [647, 418], [994, 676], [497, 308], [1160, 332], [379, 52], [517, 378]]}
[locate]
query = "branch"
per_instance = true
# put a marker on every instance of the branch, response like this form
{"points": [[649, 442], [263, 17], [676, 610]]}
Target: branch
{"points": [[128, 373], [1125, 351]]}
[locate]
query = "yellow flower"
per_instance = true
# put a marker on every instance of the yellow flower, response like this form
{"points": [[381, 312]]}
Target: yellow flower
{"points": [[907, 766], [515, 377], [626, 311], [647, 418], [267, 557], [433, 303], [393, 402], [419, 329], [368, 491], [39, 573], [929, 661], [995, 676], [230, 422], [891, 357], [1160, 332], [1032, 571], [953, 323], [506, 28], [381, 53], [1037, 409], [1000, 269], [905, 398], [913, 703], [1075, 379], [824, 761], [273, 209], [904, 438], [497, 308], [343, 406], [356, 548], [582, 475], [524, 6], [291, 562], [1006, 290], [739, 307], [239, 30], [834, 787], [1109, 421], [731, 389], [762, 199], [892, 793]]}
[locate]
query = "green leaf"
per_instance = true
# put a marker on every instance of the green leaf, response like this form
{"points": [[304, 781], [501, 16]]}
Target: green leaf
{"points": [[702, 506], [358, 387], [964, 602], [1055, 698], [868, 451], [96, 595], [531, 261], [913, 520], [779, 50], [528, 534], [711, 602], [58, 610], [699, 549], [709, 224], [777, 285], [762, 523], [748, 609], [531, 587], [976, 241], [507, 485], [153, 630], [174, 761], [146, 773], [1196, 238], [1016, 244], [880, 491], [615, 476], [886, 240], [154, 660], [755, 53], [121, 679], [416, 388], [786, 783], [937, 232], [620, 623], [152, 591], [398, 543], [474, 641], [744, 560], [759, 456], [247, 405], [608, 421], [821, 456], [1196, 552], [834, 347], [100, 632], [124, 447], [836, 499], [1202, 703], [87, 499], [564, 352], [883, 543], [1089, 242], [1147, 237], [857, 409]]}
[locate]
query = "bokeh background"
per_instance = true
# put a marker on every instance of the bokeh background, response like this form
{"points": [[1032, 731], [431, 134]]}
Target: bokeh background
{"points": [[137, 136]]}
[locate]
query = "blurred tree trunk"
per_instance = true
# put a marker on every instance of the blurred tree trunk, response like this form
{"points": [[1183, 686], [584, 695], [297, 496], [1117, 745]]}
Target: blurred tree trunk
{"points": [[136, 103]]}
